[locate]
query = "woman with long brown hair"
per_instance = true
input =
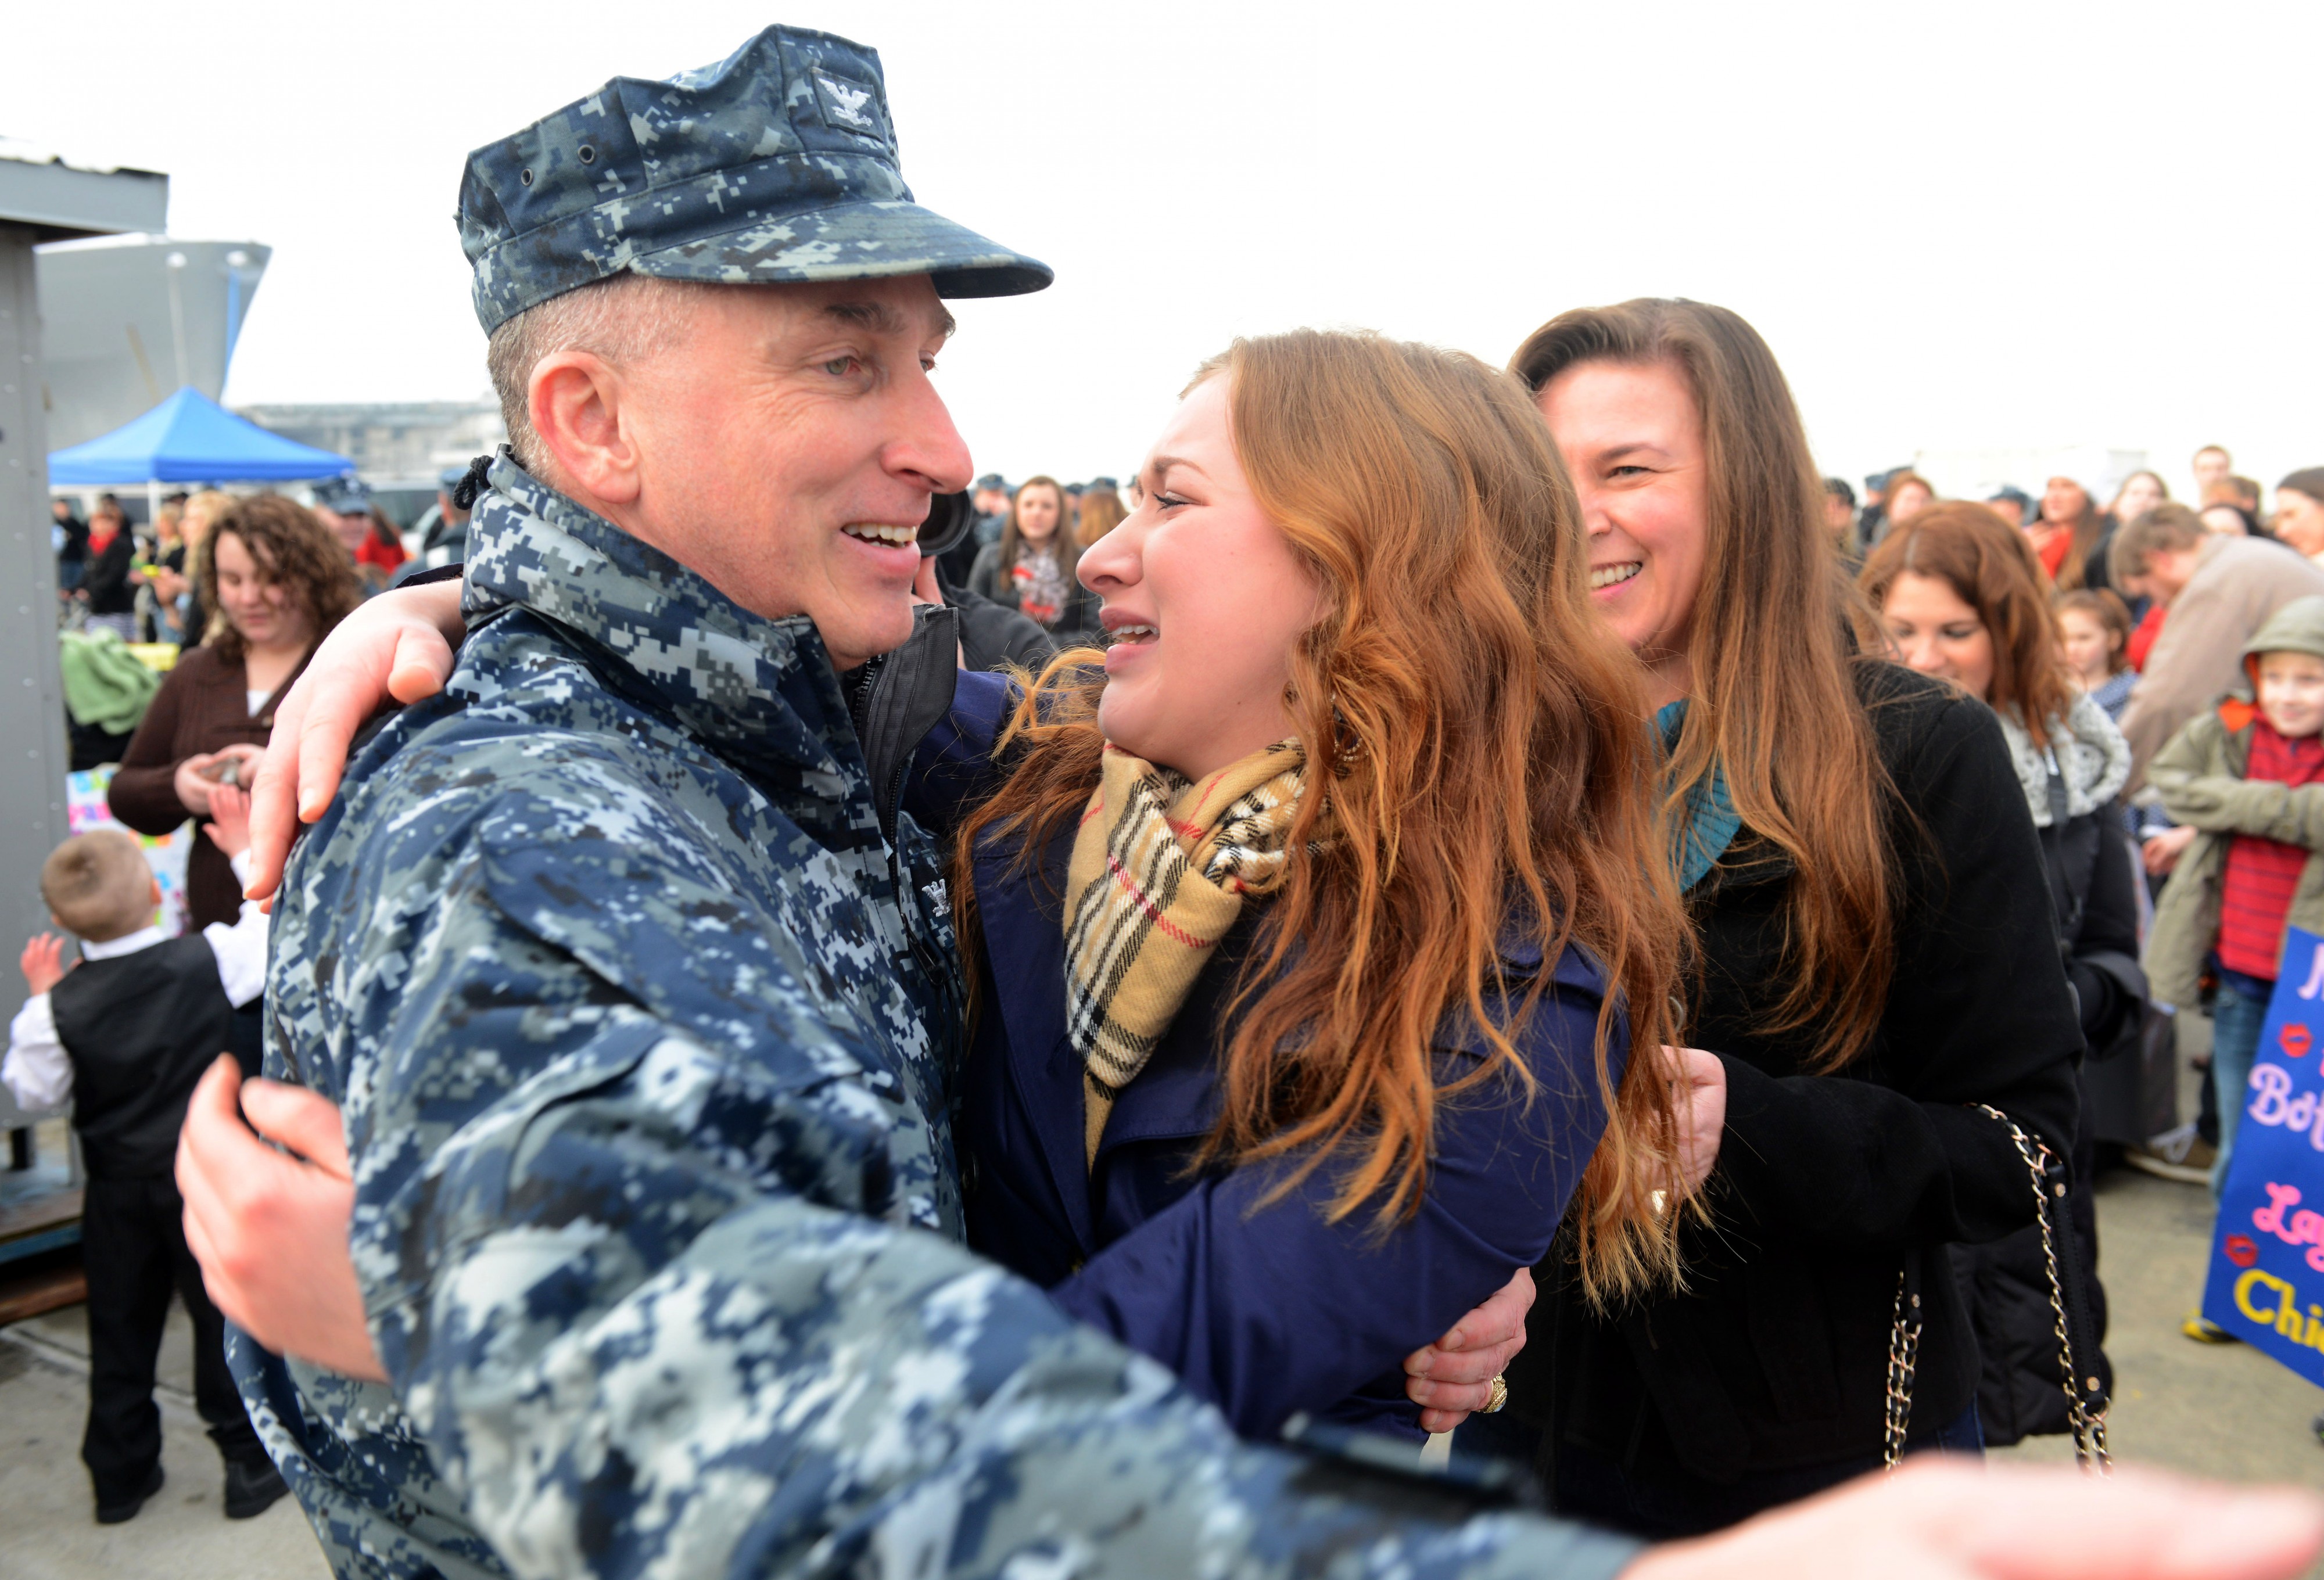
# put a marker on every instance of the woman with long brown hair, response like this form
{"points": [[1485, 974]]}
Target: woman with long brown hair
{"points": [[1872, 956], [2070, 533], [1031, 567], [1960, 596]]}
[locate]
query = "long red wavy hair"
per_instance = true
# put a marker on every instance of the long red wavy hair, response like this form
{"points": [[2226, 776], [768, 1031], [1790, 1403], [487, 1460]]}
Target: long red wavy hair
{"points": [[1476, 741]]}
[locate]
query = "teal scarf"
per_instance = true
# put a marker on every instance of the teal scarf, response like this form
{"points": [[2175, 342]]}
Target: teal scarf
{"points": [[1708, 820]]}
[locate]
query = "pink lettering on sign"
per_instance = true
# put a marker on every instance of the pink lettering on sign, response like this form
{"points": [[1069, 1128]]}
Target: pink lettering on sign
{"points": [[2276, 1104], [2293, 1228]]}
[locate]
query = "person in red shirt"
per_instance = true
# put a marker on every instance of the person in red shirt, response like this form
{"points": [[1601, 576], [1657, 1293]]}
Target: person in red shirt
{"points": [[345, 507], [382, 547]]}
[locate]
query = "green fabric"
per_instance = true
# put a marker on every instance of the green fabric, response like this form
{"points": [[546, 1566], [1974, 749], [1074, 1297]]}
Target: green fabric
{"points": [[1709, 822], [2200, 775], [2297, 627], [105, 684]]}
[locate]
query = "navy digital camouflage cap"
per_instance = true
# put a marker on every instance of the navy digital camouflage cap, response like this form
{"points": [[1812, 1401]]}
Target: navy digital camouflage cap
{"points": [[777, 165], [343, 496]]}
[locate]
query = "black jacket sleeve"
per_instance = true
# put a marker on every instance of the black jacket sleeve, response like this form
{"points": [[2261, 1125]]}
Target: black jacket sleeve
{"points": [[143, 791], [993, 635], [2107, 993], [107, 581], [1888, 1152], [985, 575]]}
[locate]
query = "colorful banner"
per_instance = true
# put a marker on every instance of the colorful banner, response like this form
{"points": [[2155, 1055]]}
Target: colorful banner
{"points": [[85, 808], [2266, 1285]]}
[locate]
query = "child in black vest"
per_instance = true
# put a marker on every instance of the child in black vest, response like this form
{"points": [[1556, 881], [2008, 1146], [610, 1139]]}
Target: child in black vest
{"points": [[124, 1035]]}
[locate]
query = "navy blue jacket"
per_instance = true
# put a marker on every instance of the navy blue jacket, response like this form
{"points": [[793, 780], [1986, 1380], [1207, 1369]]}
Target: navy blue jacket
{"points": [[1264, 1310]]}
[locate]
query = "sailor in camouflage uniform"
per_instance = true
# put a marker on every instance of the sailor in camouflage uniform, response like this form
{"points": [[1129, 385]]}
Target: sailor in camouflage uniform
{"points": [[636, 989]]}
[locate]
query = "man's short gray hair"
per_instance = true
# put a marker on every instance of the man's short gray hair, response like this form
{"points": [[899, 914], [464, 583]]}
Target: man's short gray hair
{"points": [[621, 319]]}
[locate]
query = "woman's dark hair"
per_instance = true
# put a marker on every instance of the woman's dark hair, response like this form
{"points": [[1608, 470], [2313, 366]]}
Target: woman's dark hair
{"points": [[2104, 605], [1775, 703], [292, 549], [1068, 550], [2246, 523], [2123, 488], [1991, 567], [2089, 527], [2308, 480]]}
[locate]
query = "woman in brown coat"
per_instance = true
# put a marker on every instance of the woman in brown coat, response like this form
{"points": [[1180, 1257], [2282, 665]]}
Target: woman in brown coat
{"points": [[277, 580]]}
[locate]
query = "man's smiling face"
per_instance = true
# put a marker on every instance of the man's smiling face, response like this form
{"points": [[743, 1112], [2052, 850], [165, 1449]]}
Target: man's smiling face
{"points": [[788, 441]]}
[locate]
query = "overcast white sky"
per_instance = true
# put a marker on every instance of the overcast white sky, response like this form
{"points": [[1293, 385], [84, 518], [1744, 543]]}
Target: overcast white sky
{"points": [[1960, 225]]}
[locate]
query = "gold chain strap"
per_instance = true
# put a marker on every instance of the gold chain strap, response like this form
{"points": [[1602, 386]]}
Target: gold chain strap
{"points": [[2089, 1424], [1904, 1353], [1904, 1333]]}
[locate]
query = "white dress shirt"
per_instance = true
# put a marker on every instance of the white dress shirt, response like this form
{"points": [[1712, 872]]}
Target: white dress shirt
{"points": [[36, 1071]]}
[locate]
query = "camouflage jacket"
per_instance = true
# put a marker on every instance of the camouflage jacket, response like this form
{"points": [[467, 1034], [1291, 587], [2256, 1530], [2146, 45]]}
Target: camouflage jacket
{"points": [[643, 1033]]}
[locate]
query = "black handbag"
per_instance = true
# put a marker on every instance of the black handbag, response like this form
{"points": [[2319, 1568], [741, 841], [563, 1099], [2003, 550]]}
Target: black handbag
{"points": [[2085, 1390]]}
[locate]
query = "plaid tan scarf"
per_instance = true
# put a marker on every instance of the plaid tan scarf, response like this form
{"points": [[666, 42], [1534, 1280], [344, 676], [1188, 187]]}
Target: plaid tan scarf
{"points": [[1160, 868]]}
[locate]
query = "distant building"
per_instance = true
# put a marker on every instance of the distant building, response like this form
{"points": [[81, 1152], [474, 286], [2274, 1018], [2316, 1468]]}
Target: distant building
{"points": [[399, 448]]}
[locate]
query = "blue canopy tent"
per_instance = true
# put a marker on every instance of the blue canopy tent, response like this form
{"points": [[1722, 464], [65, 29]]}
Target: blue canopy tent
{"points": [[189, 438]]}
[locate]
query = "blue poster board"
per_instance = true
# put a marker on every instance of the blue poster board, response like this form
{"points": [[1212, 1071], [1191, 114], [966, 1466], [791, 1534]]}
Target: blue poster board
{"points": [[2267, 1283]]}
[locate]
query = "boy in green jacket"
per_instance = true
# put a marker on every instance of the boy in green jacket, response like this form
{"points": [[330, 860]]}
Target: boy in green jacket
{"points": [[2249, 778]]}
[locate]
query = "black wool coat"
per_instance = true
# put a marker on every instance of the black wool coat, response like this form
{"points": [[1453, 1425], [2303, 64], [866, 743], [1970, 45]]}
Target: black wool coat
{"points": [[1774, 1359]]}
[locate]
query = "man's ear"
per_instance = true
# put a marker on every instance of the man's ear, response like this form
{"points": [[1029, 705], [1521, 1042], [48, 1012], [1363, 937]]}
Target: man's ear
{"points": [[156, 885], [575, 398]]}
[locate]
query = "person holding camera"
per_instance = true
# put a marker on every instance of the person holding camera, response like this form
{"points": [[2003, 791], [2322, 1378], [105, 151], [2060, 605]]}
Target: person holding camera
{"points": [[279, 582]]}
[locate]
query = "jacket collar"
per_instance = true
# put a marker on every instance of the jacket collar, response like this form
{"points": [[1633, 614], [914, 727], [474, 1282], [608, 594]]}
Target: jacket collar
{"points": [[761, 693]]}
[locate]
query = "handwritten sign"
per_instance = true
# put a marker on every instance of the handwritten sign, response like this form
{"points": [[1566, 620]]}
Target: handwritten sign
{"points": [[2266, 1285]]}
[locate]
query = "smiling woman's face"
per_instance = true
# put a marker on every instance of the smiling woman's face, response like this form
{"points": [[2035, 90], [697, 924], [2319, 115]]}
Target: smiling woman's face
{"points": [[1038, 511], [1204, 598], [1632, 439], [1934, 629]]}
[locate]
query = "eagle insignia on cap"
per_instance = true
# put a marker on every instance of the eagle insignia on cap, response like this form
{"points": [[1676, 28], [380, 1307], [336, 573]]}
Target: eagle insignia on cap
{"points": [[846, 102]]}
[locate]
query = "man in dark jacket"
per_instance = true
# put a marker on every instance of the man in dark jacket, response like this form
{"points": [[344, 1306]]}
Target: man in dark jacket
{"points": [[993, 636], [72, 549], [110, 582]]}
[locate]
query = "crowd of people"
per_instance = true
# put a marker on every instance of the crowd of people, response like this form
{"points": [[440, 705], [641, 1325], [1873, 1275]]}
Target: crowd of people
{"points": [[2155, 606], [143, 583], [1481, 906]]}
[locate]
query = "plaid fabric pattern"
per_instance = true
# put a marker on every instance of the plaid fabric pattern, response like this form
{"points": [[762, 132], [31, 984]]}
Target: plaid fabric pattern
{"points": [[1160, 868]]}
